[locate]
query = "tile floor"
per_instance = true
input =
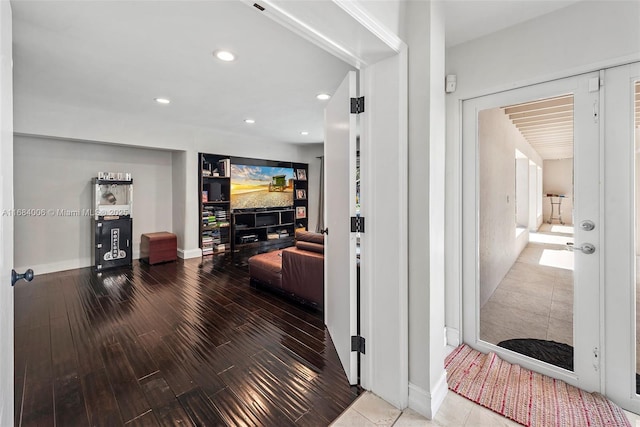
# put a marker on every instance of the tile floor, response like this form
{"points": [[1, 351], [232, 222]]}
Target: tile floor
{"points": [[371, 411], [535, 298]]}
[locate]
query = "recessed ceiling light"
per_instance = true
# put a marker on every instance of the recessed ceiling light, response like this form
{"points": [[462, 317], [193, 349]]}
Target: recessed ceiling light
{"points": [[249, 121], [162, 100], [323, 96], [304, 132], [224, 55]]}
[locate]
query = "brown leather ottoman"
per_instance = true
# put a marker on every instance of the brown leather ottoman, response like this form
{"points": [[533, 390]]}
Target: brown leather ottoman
{"points": [[267, 268], [158, 247]]}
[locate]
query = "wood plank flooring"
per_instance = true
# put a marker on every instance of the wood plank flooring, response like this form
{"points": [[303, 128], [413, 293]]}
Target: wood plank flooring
{"points": [[184, 343]]}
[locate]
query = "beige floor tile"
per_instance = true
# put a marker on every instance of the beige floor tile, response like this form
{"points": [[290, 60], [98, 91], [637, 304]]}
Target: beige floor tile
{"points": [[454, 410], [513, 316], [410, 418], [561, 311], [542, 288], [563, 295], [531, 303], [352, 418], [560, 331], [376, 410], [481, 417]]}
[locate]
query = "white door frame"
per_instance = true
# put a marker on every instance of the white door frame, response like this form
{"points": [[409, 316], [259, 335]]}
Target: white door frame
{"points": [[588, 199], [619, 244], [6, 220], [369, 47]]}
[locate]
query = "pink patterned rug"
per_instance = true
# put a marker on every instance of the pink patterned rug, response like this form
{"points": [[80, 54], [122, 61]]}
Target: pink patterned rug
{"points": [[526, 397]]}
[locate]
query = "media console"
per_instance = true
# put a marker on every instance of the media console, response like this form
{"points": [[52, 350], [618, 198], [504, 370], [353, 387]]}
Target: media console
{"points": [[227, 226]]}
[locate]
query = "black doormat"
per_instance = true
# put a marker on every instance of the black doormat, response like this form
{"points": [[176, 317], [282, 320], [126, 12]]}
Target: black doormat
{"points": [[552, 352]]}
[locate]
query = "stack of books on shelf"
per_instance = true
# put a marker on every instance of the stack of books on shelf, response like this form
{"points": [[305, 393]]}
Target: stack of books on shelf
{"points": [[224, 167]]}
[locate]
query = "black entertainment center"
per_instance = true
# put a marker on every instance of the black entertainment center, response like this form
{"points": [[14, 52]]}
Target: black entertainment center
{"points": [[250, 204]]}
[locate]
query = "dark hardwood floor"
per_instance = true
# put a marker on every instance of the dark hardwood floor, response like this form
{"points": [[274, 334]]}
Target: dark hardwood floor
{"points": [[184, 343]]}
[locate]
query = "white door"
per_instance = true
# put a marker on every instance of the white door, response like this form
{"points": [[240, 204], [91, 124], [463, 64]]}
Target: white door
{"points": [[492, 235], [621, 117], [340, 246], [6, 220]]}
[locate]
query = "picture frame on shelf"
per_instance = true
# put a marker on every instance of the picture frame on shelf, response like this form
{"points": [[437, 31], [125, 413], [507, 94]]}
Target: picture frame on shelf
{"points": [[301, 174], [301, 194], [301, 212]]}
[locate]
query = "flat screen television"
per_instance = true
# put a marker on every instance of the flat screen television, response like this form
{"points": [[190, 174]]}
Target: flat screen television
{"points": [[255, 187]]}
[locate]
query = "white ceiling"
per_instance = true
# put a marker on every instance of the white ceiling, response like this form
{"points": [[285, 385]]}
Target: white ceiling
{"points": [[120, 55]]}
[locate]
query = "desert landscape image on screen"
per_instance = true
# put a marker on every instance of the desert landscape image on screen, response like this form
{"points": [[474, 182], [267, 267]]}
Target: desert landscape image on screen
{"points": [[261, 187]]}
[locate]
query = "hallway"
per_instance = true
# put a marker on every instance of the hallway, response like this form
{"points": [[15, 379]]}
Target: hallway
{"points": [[535, 298]]}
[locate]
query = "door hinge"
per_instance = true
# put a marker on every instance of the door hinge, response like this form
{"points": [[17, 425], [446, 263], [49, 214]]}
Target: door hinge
{"points": [[357, 224], [357, 344], [357, 105], [596, 359], [596, 111]]}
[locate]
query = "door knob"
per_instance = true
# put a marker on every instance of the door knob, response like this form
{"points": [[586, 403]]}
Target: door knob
{"points": [[587, 225], [586, 248], [28, 276]]}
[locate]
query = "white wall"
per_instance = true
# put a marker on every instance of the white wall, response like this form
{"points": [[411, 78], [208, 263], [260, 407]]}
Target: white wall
{"points": [[423, 28], [57, 174], [522, 192], [498, 139], [311, 154], [583, 37], [557, 178]]}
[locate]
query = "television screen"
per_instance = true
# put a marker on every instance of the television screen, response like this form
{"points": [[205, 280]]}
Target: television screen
{"points": [[261, 187]]}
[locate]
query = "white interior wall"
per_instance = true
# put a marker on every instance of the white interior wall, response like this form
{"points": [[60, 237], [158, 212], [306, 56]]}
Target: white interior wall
{"points": [[54, 175], [534, 194], [498, 139], [58, 120], [603, 33], [423, 30], [522, 192], [178, 184], [558, 179]]}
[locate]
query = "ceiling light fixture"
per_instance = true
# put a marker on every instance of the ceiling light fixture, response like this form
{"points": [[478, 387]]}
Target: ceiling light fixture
{"points": [[224, 55], [304, 132], [162, 100], [323, 96], [249, 121]]}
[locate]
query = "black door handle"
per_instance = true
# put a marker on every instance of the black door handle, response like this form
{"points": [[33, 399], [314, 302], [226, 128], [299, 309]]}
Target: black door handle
{"points": [[324, 231], [28, 276]]}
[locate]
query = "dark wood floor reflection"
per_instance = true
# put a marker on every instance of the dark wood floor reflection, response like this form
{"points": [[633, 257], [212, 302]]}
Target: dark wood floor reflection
{"points": [[185, 343]]}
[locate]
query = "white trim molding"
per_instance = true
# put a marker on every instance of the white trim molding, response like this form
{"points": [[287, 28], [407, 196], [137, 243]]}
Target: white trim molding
{"points": [[453, 337], [425, 403], [189, 253]]}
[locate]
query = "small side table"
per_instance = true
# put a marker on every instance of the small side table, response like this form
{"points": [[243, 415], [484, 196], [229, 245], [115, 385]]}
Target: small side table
{"points": [[556, 201], [158, 247]]}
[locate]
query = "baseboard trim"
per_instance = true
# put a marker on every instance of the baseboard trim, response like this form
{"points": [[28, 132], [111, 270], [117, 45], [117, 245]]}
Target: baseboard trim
{"points": [[189, 253], [425, 403], [54, 267], [65, 265], [453, 337]]}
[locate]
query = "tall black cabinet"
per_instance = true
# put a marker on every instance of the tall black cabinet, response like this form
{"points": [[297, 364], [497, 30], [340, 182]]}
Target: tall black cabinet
{"points": [[113, 211]]}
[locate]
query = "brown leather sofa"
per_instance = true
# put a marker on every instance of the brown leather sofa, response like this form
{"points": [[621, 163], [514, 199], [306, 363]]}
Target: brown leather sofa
{"points": [[298, 270]]}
